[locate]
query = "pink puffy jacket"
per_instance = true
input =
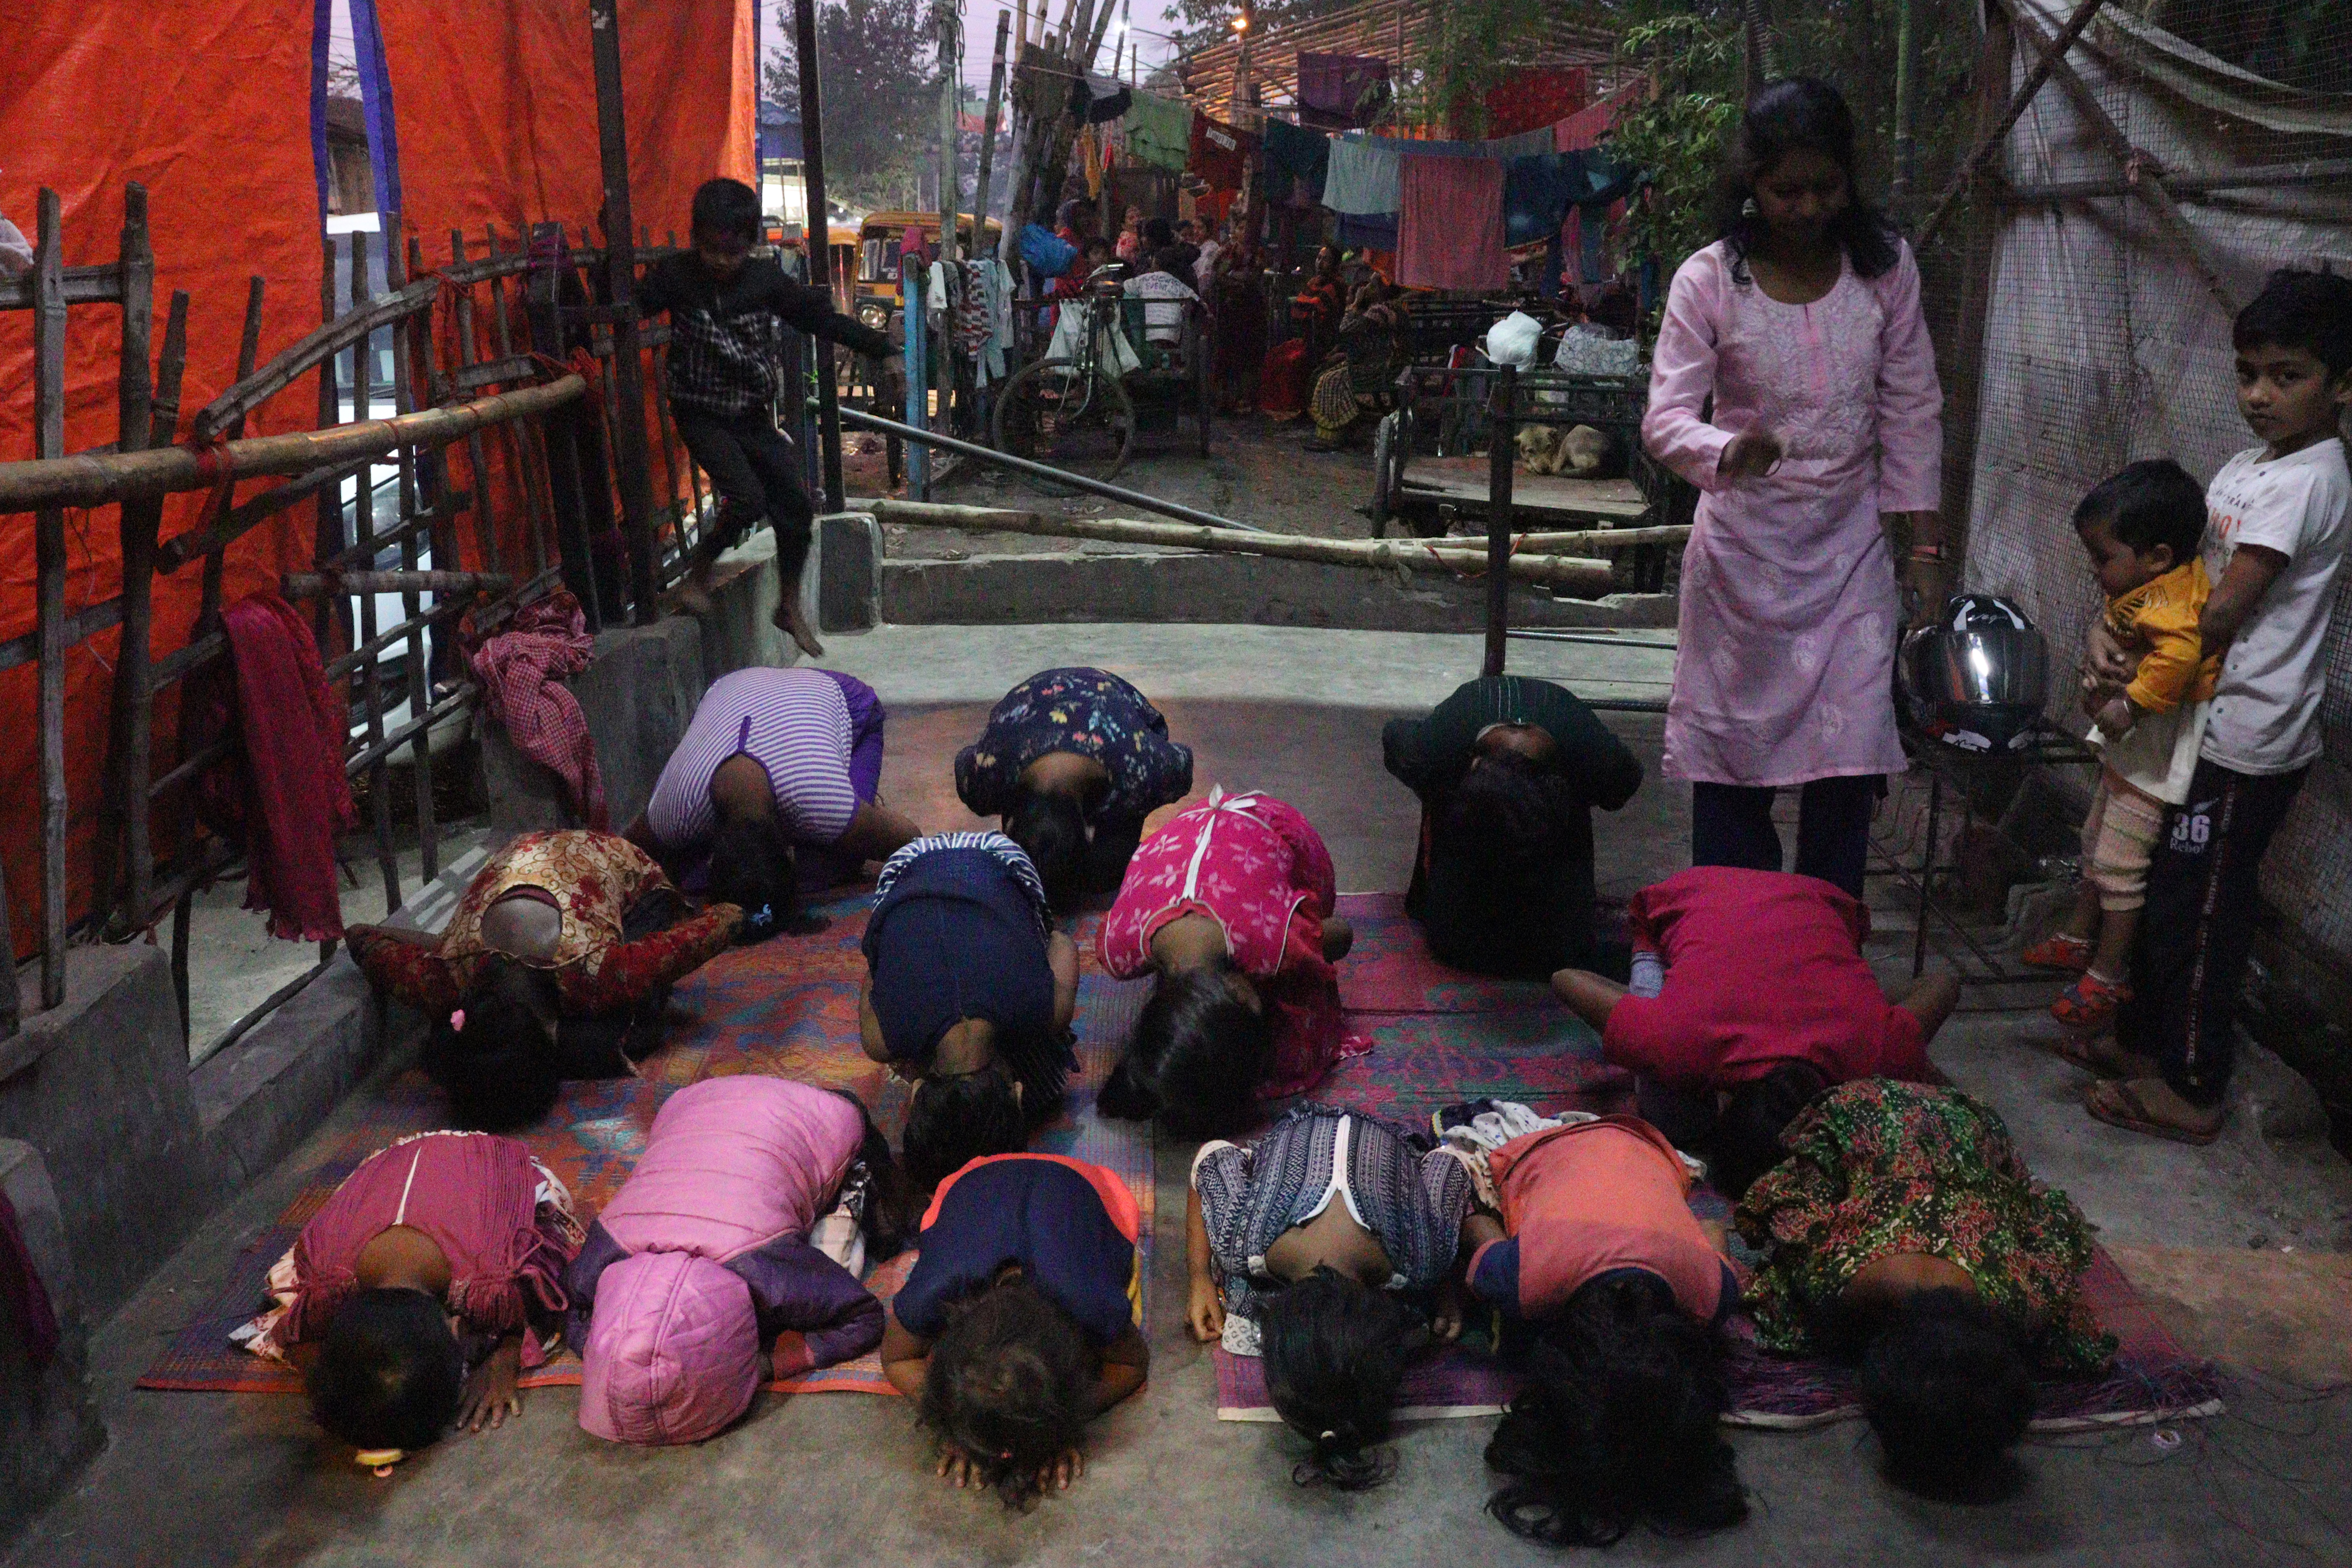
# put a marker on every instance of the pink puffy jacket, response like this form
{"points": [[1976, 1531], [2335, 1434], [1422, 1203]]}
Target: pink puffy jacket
{"points": [[703, 1245]]}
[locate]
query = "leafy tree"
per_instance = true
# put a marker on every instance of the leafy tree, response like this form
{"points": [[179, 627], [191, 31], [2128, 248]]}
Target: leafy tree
{"points": [[1679, 135], [878, 64]]}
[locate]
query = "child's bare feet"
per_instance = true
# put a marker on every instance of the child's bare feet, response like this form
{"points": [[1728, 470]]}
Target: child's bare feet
{"points": [[790, 621]]}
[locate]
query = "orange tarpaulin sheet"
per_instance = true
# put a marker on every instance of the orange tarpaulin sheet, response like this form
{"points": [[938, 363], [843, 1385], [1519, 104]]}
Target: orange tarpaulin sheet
{"points": [[208, 103]]}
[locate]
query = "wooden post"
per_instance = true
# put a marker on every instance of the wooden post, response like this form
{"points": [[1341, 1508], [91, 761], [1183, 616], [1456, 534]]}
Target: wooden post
{"points": [[828, 396], [49, 558], [1502, 430], [1994, 63], [1989, 139], [125, 778], [630, 457], [163, 429], [1906, 70], [951, 94], [365, 676], [988, 136]]}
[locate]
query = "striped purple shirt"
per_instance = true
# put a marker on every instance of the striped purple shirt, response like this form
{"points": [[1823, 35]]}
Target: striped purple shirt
{"points": [[796, 723]]}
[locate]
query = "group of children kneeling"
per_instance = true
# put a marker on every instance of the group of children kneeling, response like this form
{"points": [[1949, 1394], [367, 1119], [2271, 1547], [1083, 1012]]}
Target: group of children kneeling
{"points": [[1884, 1217]]}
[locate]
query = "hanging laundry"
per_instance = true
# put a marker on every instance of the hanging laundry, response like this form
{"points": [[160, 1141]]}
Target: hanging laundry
{"points": [[1361, 177], [1344, 90], [1536, 98], [1367, 231], [1220, 154], [1537, 194], [1103, 98], [1089, 159], [1159, 131], [283, 795], [1296, 162], [522, 671], [1451, 235], [1587, 126]]}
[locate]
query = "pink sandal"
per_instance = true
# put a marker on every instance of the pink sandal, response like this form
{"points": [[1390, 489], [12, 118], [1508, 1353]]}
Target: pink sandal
{"points": [[2089, 1005]]}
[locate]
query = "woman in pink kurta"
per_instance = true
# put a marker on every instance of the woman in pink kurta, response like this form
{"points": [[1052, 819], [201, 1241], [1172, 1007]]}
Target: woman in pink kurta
{"points": [[1804, 325], [1230, 905]]}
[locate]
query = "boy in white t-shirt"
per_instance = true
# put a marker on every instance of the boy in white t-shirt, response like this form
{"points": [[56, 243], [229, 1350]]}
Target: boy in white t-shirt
{"points": [[2277, 519]]}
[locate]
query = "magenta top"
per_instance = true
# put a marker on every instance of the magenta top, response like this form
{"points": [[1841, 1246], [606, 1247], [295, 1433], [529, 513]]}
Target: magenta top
{"points": [[1788, 613], [476, 1195]]}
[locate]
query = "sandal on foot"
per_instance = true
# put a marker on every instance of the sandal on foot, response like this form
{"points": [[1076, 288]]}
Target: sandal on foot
{"points": [[2101, 1057], [2060, 951], [2117, 1103], [2089, 1005]]}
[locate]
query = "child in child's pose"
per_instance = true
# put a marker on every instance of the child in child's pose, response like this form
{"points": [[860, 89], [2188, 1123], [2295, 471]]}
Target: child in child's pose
{"points": [[2141, 529], [2275, 533], [1751, 996], [970, 994], [727, 313], [1017, 1326], [710, 1247], [1298, 1246], [1621, 1289], [426, 1283], [1230, 905]]}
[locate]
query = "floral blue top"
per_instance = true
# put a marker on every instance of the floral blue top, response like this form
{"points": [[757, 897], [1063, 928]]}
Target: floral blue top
{"points": [[1090, 712]]}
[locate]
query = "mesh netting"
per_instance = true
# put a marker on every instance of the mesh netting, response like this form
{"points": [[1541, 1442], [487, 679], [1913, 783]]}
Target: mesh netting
{"points": [[2104, 340]]}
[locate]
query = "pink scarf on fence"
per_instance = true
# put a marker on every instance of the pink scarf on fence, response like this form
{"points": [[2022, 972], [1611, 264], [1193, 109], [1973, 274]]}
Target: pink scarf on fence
{"points": [[521, 671], [287, 796]]}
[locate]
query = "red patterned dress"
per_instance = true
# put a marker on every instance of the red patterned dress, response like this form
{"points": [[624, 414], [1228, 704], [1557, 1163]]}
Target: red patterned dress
{"points": [[593, 881], [1257, 867]]}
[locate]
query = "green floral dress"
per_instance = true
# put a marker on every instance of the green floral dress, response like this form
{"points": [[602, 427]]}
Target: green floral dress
{"points": [[1877, 1167]]}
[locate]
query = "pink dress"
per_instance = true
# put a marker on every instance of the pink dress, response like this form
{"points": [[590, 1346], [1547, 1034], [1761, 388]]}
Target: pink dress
{"points": [[1258, 868], [1789, 607], [503, 1220]]}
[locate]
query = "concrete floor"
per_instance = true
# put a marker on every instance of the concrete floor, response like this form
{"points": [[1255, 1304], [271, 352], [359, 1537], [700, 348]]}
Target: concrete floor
{"points": [[842, 1479]]}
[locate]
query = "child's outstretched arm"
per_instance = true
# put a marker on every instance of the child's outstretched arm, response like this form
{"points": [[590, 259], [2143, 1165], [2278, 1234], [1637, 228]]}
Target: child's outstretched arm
{"points": [[1590, 996], [1062, 956], [1204, 1313], [1125, 1362], [906, 1358]]}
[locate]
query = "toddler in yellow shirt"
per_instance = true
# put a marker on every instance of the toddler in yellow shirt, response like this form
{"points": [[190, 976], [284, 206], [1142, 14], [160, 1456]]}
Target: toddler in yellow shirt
{"points": [[2141, 529]]}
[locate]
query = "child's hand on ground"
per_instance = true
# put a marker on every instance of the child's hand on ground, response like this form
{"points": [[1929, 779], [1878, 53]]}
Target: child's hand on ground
{"points": [[961, 1469], [490, 1394], [2115, 717], [1057, 1476], [1205, 1313]]}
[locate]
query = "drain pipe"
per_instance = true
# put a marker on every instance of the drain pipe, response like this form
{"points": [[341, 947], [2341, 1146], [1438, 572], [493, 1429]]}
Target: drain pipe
{"points": [[980, 454]]}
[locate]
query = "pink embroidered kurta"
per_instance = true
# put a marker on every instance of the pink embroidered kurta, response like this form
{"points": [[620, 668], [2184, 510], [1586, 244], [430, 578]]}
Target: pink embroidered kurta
{"points": [[1789, 613], [1258, 868]]}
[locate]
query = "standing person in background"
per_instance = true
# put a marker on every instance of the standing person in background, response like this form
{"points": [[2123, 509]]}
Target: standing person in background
{"points": [[727, 314], [1821, 455], [2275, 532], [1078, 231]]}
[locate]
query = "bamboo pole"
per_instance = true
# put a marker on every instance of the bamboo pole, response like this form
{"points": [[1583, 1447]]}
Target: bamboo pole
{"points": [[1988, 141], [100, 477], [355, 327], [50, 567], [1576, 574], [484, 536], [135, 398], [988, 135], [1569, 542], [1503, 412], [2149, 182], [406, 580]]}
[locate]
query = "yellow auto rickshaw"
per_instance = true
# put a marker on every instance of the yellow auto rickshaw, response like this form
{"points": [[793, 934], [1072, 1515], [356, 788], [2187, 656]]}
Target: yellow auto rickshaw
{"points": [[880, 242]]}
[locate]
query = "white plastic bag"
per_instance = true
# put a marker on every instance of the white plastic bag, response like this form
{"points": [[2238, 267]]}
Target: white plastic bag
{"points": [[1512, 339]]}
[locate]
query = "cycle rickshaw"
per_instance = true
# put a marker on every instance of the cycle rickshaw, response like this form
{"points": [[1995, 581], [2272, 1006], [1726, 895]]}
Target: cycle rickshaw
{"points": [[1116, 363]]}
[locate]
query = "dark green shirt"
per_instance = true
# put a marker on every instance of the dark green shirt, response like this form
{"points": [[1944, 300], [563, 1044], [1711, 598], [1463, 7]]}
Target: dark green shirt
{"points": [[1549, 925]]}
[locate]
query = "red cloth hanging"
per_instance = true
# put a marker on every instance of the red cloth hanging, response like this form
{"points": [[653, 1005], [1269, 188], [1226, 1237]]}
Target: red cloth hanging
{"points": [[1451, 232], [1529, 99], [521, 671], [285, 796]]}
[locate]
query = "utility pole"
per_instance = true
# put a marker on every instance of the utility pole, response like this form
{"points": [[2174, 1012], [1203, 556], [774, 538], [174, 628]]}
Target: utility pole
{"points": [[828, 396], [620, 288], [988, 137]]}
